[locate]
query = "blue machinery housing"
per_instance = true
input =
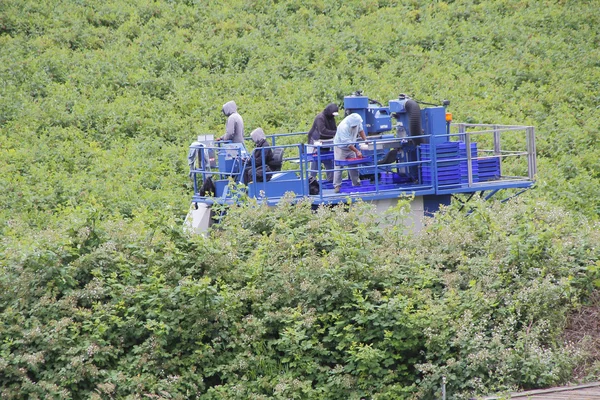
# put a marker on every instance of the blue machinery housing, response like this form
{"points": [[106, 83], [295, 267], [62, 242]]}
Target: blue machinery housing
{"points": [[409, 152]]}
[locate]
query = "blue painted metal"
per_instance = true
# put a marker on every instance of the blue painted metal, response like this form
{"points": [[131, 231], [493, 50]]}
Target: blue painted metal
{"points": [[432, 203], [433, 120], [376, 119], [357, 104], [397, 105], [443, 164]]}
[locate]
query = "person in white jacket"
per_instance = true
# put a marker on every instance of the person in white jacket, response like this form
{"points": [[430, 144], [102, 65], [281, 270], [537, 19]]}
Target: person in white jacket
{"points": [[345, 147]]}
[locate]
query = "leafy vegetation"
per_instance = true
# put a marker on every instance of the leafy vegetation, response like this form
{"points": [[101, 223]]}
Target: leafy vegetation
{"points": [[101, 293], [287, 303]]}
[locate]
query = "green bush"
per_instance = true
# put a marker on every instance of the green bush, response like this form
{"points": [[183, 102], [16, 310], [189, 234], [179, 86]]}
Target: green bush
{"points": [[103, 296], [287, 302]]}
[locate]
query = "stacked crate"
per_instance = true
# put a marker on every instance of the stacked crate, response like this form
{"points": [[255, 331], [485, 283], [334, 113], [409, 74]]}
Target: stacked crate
{"points": [[464, 173], [489, 169], [448, 164]]}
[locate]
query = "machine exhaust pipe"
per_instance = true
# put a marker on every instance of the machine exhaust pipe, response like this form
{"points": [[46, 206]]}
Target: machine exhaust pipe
{"points": [[414, 121]]}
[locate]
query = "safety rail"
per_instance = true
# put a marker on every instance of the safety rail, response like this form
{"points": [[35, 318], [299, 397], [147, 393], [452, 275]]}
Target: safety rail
{"points": [[384, 181], [441, 166], [287, 179], [496, 156]]}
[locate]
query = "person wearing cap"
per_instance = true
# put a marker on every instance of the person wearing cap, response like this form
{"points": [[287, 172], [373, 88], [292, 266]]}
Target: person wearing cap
{"points": [[234, 128], [261, 146], [344, 141], [323, 128]]}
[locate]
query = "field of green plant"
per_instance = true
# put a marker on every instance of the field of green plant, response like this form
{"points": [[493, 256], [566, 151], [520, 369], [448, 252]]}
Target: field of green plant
{"points": [[102, 295]]}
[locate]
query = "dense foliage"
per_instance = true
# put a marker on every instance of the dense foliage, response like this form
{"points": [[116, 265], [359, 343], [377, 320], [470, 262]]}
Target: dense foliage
{"points": [[288, 303], [101, 293]]}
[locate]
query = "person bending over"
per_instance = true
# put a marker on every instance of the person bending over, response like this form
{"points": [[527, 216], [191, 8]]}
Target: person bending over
{"points": [[345, 147]]}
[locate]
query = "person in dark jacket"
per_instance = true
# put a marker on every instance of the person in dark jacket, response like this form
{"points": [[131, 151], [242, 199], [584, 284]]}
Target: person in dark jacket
{"points": [[261, 146], [323, 128], [234, 128]]}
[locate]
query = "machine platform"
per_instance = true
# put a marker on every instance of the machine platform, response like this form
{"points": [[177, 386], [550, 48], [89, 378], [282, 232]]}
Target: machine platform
{"points": [[430, 167]]}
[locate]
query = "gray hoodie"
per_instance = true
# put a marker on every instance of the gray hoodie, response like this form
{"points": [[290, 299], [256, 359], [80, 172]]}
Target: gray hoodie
{"points": [[260, 140], [234, 128], [257, 135]]}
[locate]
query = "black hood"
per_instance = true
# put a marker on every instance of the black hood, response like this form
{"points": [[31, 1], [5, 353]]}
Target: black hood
{"points": [[330, 109]]}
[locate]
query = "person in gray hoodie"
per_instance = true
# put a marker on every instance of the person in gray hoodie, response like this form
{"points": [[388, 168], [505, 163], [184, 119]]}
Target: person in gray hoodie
{"points": [[261, 146], [234, 128]]}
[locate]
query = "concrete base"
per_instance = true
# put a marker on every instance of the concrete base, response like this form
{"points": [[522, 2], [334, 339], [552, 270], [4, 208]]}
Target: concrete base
{"points": [[413, 221], [198, 219]]}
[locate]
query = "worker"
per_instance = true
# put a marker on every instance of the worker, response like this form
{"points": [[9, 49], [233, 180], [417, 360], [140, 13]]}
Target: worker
{"points": [[323, 128], [234, 128], [344, 148], [260, 142]]}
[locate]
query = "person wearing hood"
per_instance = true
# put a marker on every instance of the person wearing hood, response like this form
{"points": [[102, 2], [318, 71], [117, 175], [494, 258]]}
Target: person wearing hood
{"points": [[234, 128], [260, 146], [323, 128], [345, 147]]}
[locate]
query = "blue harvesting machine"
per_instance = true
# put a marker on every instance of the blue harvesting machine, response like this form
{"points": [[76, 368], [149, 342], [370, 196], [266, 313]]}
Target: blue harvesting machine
{"points": [[409, 151]]}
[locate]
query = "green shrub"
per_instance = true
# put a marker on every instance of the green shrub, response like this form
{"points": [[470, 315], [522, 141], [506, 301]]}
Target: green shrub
{"points": [[101, 294]]}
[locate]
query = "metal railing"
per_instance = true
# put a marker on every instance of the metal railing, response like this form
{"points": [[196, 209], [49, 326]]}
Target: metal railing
{"points": [[490, 140], [497, 152]]}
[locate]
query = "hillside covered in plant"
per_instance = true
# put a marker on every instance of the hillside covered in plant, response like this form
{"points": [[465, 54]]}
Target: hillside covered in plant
{"points": [[102, 295]]}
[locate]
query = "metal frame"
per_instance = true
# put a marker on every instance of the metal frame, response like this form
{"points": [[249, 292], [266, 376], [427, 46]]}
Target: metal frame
{"points": [[301, 157]]}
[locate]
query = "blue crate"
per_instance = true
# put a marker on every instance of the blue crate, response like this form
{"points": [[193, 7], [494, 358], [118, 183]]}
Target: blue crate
{"points": [[489, 169], [440, 146], [386, 177], [442, 171], [455, 169], [448, 163], [442, 150], [442, 178], [463, 163], [365, 188], [324, 156], [440, 156]]}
